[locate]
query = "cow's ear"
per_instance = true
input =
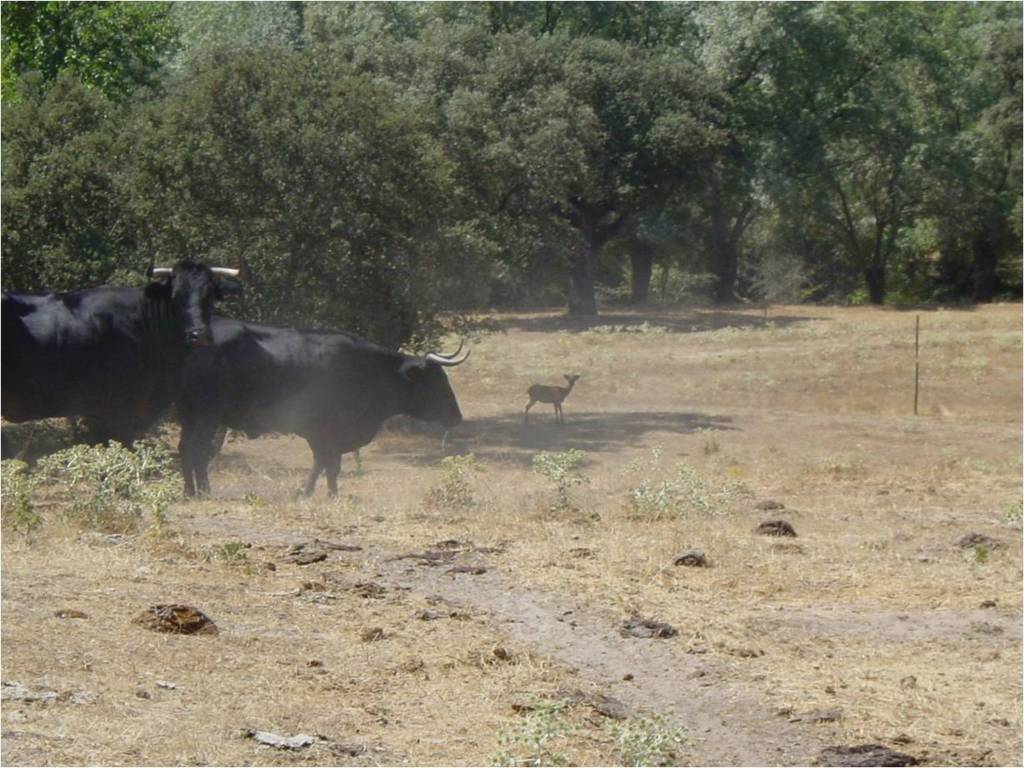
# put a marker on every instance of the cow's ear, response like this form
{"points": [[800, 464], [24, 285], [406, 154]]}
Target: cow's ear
{"points": [[227, 286], [412, 370], [158, 291]]}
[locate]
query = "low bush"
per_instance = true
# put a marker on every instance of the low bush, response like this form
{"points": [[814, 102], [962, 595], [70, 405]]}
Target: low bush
{"points": [[455, 490], [112, 488], [563, 470], [16, 485]]}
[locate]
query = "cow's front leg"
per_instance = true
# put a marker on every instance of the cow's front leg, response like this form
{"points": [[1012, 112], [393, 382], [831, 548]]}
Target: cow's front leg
{"points": [[185, 451], [314, 473]]}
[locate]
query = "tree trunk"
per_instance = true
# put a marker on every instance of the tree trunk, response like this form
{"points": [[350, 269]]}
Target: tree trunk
{"points": [[983, 275], [724, 254], [874, 276], [581, 282], [725, 268], [641, 260]]}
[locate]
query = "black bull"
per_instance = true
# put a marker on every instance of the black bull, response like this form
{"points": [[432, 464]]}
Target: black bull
{"points": [[333, 389], [110, 355]]}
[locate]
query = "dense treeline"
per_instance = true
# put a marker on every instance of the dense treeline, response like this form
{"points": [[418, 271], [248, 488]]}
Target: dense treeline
{"points": [[377, 163]]}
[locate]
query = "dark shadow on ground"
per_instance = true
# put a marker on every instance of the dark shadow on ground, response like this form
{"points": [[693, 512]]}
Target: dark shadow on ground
{"points": [[507, 440], [681, 321]]}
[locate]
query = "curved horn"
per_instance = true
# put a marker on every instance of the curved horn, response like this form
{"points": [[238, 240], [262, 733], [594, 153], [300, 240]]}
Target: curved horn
{"points": [[453, 354], [226, 271], [160, 271], [433, 357]]}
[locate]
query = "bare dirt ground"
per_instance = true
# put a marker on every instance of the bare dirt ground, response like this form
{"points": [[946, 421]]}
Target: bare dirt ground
{"points": [[488, 633]]}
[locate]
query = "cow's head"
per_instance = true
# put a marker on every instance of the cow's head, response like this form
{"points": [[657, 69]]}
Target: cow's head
{"points": [[192, 290], [431, 397]]}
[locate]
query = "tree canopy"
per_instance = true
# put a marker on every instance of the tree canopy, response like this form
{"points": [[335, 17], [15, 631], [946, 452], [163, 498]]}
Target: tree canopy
{"points": [[377, 163]]}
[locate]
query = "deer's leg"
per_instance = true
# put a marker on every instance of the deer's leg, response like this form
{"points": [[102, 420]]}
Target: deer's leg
{"points": [[526, 413]]}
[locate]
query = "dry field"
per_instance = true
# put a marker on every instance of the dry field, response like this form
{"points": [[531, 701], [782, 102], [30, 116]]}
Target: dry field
{"points": [[495, 643]]}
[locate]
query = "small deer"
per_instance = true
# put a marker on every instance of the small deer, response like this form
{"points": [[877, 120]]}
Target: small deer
{"points": [[545, 393]]}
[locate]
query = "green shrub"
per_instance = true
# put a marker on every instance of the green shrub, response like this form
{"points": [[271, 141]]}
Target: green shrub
{"points": [[529, 742], [648, 740], [685, 491], [1013, 513], [563, 470], [111, 488], [455, 490], [16, 486], [231, 552]]}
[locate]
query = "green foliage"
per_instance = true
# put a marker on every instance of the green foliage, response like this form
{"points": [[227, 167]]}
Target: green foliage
{"points": [[231, 552], [64, 219], [16, 486], [455, 490], [379, 164], [1013, 513], [112, 488], [563, 470], [330, 185], [112, 47], [648, 741], [980, 553], [685, 491], [530, 742]]}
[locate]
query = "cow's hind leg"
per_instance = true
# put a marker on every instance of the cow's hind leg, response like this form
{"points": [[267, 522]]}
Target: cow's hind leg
{"points": [[332, 468]]}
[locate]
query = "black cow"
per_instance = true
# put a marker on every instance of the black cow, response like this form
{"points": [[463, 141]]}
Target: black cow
{"points": [[110, 355], [333, 389]]}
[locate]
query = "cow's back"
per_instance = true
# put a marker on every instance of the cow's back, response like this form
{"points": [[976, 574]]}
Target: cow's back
{"points": [[258, 379], [84, 353]]}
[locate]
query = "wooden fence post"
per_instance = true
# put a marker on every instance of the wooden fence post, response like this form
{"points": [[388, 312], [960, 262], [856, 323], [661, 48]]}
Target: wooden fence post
{"points": [[917, 364]]}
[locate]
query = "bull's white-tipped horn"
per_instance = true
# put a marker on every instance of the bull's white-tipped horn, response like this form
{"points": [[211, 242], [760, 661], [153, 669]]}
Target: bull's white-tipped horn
{"points": [[226, 271], [161, 271], [433, 357], [453, 354]]}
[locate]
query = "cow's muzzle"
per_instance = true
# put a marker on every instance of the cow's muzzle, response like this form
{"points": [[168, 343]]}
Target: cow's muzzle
{"points": [[198, 337]]}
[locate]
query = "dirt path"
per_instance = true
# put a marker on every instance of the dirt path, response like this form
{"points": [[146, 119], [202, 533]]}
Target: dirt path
{"points": [[727, 721]]}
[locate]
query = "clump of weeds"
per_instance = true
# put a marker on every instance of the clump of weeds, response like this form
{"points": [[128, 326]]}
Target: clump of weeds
{"points": [[231, 552], [685, 490], [532, 741], [562, 469], [455, 490], [112, 488], [648, 741], [16, 486], [1013, 513]]}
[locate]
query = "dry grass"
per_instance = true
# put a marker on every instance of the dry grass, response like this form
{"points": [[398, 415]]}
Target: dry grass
{"points": [[871, 609]]}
